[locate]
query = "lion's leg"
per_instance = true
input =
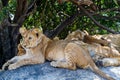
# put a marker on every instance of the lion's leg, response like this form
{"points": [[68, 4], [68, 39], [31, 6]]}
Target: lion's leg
{"points": [[11, 61], [91, 39], [110, 62], [24, 62], [68, 61], [63, 64]]}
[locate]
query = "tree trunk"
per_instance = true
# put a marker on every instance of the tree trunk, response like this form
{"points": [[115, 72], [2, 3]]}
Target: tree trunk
{"points": [[9, 31], [5, 41]]}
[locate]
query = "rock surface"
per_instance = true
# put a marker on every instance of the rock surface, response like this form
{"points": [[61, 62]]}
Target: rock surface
{"points": [[46, 72]]}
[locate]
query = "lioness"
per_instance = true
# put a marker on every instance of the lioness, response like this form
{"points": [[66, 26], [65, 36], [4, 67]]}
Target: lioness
{"points": [[63, 53]]}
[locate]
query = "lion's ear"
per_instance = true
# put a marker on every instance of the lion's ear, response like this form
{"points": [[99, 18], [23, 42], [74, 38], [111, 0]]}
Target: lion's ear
{"points": [[37, 31], [22, 31], [86, 33]]}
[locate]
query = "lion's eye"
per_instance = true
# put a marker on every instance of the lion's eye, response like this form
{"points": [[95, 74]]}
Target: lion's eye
{"points": [[30, 38]]}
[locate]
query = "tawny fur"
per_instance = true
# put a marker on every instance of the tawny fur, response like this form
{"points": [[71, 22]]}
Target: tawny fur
{"points": [[112, 38], [85, 37], [21, 50], [34, 51], [101, 53], [62, 53], [93, 44]]}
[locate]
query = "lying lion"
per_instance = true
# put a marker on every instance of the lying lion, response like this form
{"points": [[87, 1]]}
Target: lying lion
{"points": [[106, 55], [113, 38], [85, 37], [62, 53], [99, 45]]}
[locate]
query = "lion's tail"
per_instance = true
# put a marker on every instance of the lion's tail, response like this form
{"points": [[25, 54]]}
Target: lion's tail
{"points": [[95, 69]]}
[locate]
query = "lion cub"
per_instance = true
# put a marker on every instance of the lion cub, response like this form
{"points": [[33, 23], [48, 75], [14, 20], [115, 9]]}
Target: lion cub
{"points": [[30, 49], [112, 38], [85, 37], [99, 49]]}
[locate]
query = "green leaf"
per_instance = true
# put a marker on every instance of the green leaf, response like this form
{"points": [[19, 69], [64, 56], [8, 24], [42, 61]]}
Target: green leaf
{"points": [[115, 1]]}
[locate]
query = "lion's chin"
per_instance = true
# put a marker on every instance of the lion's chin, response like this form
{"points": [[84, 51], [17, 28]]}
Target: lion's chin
{"points": [[27, 47]]}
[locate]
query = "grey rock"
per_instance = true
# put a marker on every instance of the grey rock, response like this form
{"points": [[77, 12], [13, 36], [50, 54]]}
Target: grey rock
{"points": [[47, 72]]}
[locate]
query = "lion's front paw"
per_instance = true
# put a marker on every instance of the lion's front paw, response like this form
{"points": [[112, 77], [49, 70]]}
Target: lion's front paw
{"points": [[12, 66], [5, 65], [54, 64]]}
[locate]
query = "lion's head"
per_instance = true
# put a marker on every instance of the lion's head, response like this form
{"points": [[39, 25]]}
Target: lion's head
{"points": [[77, 35], [30, 38]]}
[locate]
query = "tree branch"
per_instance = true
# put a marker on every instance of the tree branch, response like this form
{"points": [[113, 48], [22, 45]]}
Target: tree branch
{"points": [[69, 20], [21, 8], [109, 10], [32, 7], [107, 17], [97, 23], [60, 27], [21, 13]]}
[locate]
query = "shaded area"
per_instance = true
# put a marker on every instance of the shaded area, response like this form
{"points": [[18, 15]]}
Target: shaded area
{"points": [[46, 72], [9, 29], [53, 20]]}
